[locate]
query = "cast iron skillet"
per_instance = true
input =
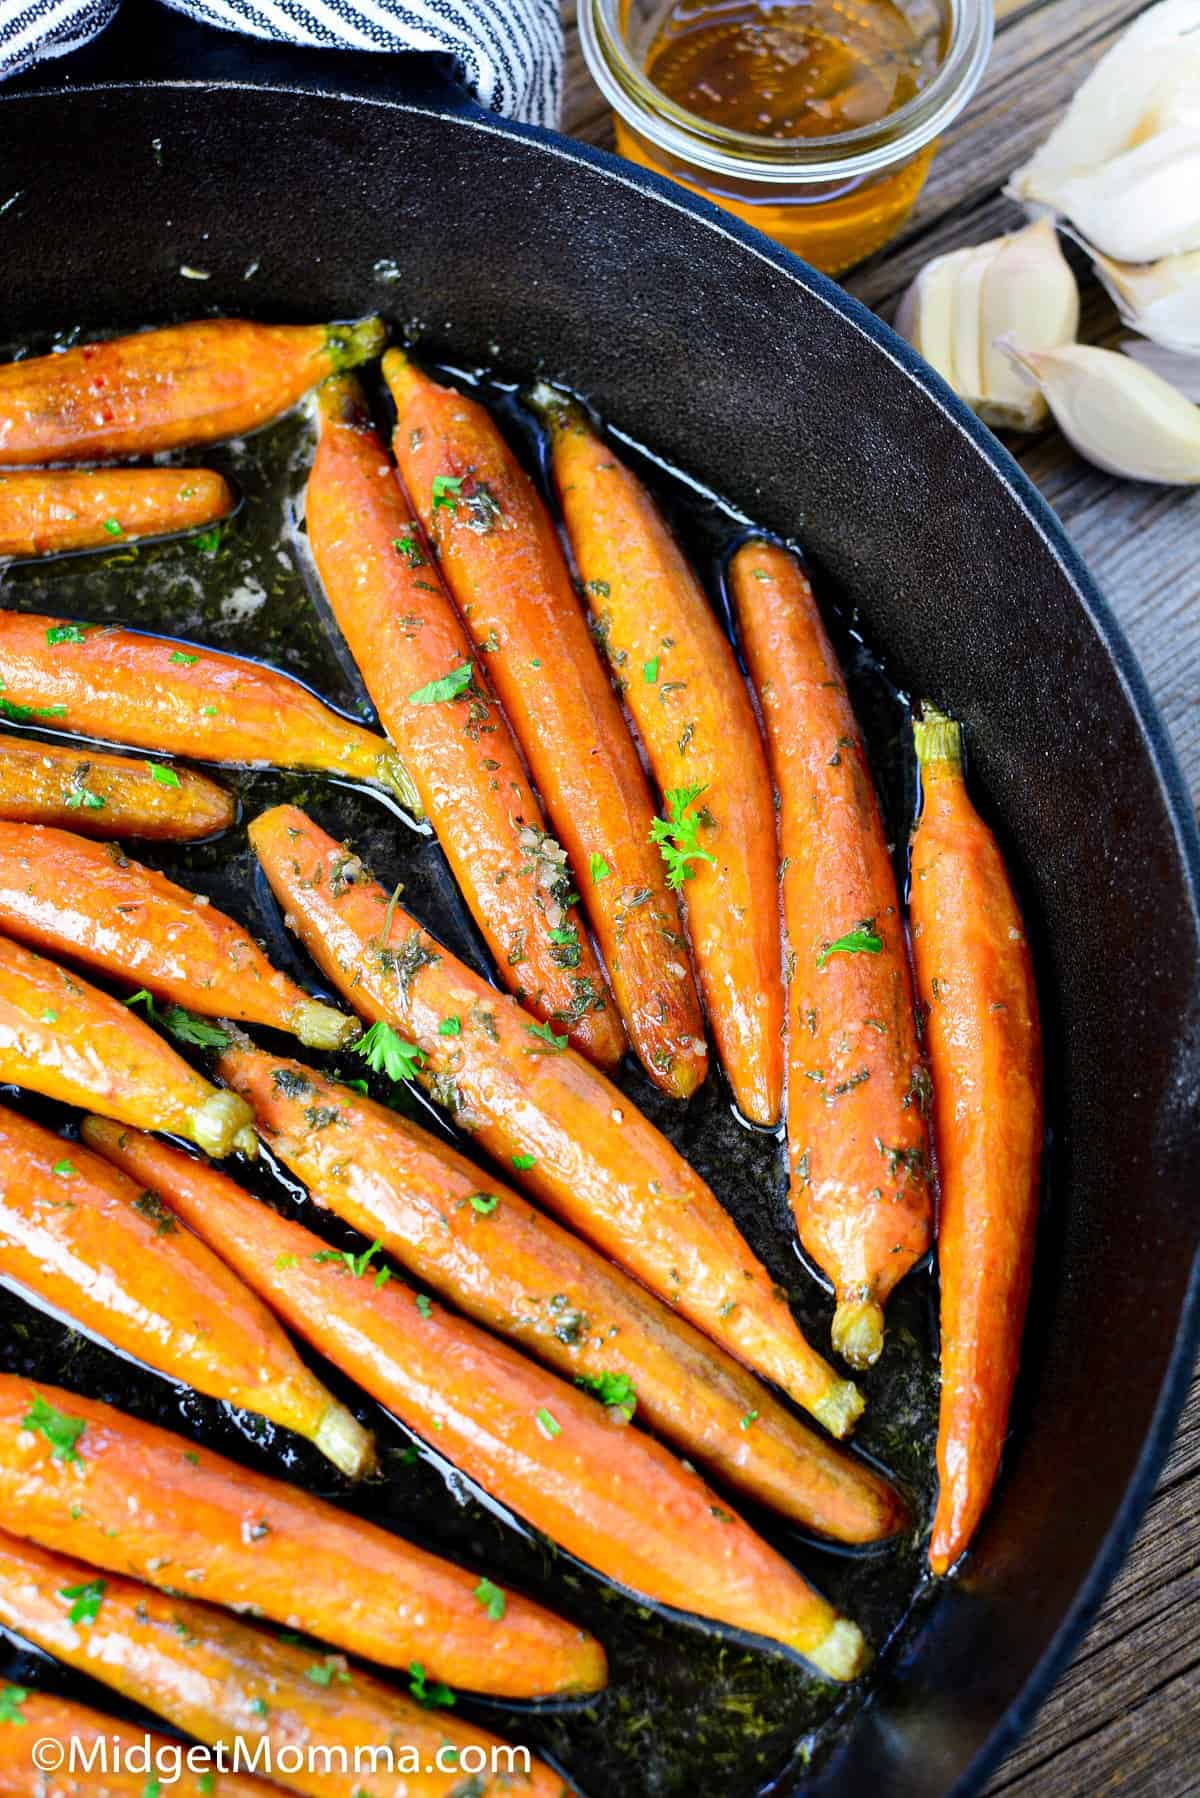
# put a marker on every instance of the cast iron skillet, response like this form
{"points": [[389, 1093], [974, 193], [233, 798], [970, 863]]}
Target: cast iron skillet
{"points": [[765, 383]]}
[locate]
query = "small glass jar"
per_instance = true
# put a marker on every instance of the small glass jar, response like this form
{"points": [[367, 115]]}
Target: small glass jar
{"points": [[834, 199]]}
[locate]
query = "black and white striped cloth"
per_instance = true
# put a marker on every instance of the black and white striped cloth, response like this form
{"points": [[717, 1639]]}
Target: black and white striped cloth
{"points": [[508, 52]]}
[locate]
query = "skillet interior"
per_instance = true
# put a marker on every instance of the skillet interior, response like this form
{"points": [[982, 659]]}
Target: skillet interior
{"points": [[763, 383]]}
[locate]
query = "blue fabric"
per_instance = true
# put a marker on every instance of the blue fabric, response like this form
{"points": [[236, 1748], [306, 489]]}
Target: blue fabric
{"points": [[507, 52]]}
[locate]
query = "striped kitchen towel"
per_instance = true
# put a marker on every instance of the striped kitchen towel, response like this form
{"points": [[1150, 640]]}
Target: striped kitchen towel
{"points": [[507, 52]]}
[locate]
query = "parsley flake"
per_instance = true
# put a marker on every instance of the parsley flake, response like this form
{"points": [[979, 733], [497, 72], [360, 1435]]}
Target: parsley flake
{"points": [[86, 1598], [450, 686], [386, 1053], [61, 1432], [492, 1599], [545, 1034], [598, 868], [677, 836], [431, 1696], [862, 940], [615, 1390], [446, 489], [166, 777]]}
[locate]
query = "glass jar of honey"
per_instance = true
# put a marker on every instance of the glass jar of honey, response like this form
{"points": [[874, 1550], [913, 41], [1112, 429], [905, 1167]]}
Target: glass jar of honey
{"points": [[815, 120]]}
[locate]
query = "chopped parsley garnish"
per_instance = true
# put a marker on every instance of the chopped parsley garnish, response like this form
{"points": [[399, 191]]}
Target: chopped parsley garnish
{"points": [[450, 686], [548, 1424], [113, 527], [61, 1432], [750, 1418], [523, 1163], [862, 940], [11, 1700], [450, 1027], [66, 633], [677, 836], [484, 1203], [650, 671], [408, 547], [208, 542], [166, 777], [492, 1599], [432, 1696], [87, 1600], [446, 489], [545, 1034], [150, 1205], [183, 658], [80, 796], [283, 1262], [598, 868], [323, 1673], [64, 1169], [424, 1305], [183, 1025], [616, 1390], [386, 1053]]}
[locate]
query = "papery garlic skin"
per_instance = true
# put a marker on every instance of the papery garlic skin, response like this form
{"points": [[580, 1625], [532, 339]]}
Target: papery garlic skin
{"points": [[1124, 163], [1159, 299], [960, 304], [1119, 415]]}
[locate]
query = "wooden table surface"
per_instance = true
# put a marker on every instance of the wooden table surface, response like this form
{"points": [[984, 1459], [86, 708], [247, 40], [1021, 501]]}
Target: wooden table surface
{"points": [[1125, 1718]]}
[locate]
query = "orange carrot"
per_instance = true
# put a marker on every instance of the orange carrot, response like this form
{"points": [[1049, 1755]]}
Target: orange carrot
{"points": [[975, 978], [115, 1758], [224, 1681], [106, 795], [80, 1478], [86, 1239], [89, 902], [596, 1160], [501, 558], [518, 1273], [609, 1495], [405, 635], [50, 510], [181, 699], [681, 682], [159, 390], [857, 1088], [64, 1038]]}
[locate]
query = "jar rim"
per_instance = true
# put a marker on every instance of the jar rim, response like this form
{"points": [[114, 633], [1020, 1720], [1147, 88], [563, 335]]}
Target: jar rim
{"points": [[866, 150]]}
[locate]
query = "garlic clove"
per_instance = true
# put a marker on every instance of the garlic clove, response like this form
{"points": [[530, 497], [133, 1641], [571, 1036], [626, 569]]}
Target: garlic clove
{"points": [[1142, 204], [1119, 415], [1159, 299], [1178, 368], [1019, 285]]}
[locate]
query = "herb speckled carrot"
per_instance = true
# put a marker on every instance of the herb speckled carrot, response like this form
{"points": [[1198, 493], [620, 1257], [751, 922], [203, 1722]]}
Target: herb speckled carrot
{"points": [[47, 1718], [64, 1038], [858, 1090], [222, 1680], [512, 1081], [159, 390], [80, 1478], [502, 561], [107, 795], [519, 1273], [48, 510], [88, 1240], [975, 977], [610, 1495], [682, 685], [402, 629], [87, 901], [180, 699]]}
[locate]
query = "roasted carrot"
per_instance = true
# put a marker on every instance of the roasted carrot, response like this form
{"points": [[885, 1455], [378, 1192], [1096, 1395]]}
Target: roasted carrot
{"points": [[609, 1495], [224, 1681], [159, 390], [682, 685], [975, 979], [519, 1273], [512, 1081], [405, 635], [83, 1237], [181, 699], [116, 1760], [501, 557], [89, 902], [107, 795], [64, 1038], [80, 1478], [49, 510], [857, 1088]]}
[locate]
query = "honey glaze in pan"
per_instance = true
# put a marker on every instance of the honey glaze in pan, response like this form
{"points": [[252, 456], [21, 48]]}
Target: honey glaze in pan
{"points": [[687, 1707]]}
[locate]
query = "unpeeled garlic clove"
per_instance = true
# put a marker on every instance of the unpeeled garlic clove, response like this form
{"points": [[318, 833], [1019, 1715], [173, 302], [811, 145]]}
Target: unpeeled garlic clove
{"points": [[1177, 368], [1020, 286], [1159, 299], [1124, 163], [1119, 415]]}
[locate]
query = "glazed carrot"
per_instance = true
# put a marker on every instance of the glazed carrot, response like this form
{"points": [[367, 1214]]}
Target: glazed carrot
{"points": [[112, 1764], [222, 1681], [50, 510], [181, 699], [609, 1495], [518, 1273], [405, 635], [106, 795], [61, 1037], [80, 1478], [501, 558], [857, 1088], [682, 685], [596, 1160], [89, 902], [83, 1237], [159, 390], [975, 978]]}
